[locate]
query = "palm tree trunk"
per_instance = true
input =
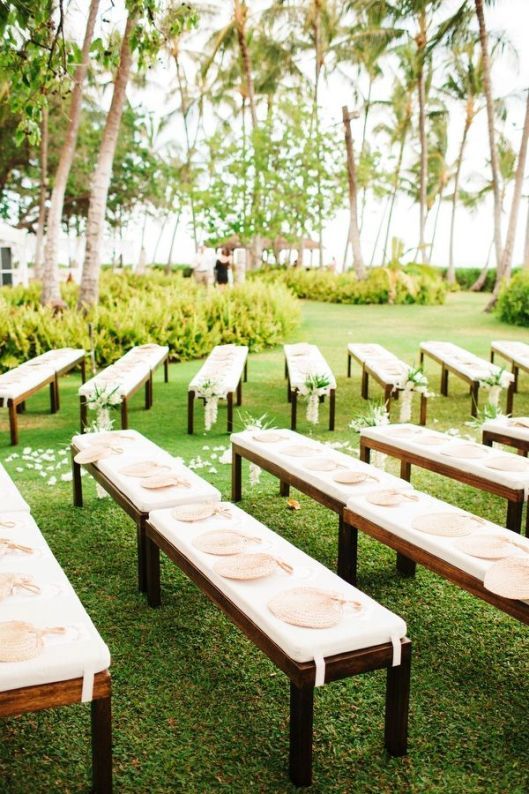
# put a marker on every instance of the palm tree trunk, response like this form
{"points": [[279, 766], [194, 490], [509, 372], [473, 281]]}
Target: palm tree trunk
{"points": [[479, 283], [451, 275], [487, 85], [526, 244], [241, 14], [102, 174], [43, 193], [423, 168], [435, 225], [394, 195], [363, 147], [50, 291], [353, 209], [185, 110], [173, 238], [159, 239], [379, 232]]}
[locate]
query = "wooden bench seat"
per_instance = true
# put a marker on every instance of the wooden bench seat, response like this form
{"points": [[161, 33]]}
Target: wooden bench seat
{"points": [[321, 486], [126, 376], [21, 383], [411, 445], [516, 354], [392, 526], [385, 369], [72, 667], [510, 431], [131, 447], [226, 367], [369, 640], [301, 361], [464, 365]]}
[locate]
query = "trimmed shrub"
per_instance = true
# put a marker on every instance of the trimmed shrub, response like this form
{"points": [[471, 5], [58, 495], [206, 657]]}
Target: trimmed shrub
{"points": [[152, 308], [513, 300], [382, 285]]}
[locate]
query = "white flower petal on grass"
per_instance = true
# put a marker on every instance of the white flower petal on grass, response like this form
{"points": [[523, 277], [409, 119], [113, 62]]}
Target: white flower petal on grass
{"points": [[19, 468], [212, 470], [67, 476], [226, 456], [52, 481], [26, 451]]}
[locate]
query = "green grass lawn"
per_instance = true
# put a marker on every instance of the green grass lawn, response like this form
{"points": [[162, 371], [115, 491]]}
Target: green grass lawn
{"points": [[196, 706]]}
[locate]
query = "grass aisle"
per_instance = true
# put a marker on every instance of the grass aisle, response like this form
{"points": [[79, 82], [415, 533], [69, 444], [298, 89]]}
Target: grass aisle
{"points": [[196, 706]]}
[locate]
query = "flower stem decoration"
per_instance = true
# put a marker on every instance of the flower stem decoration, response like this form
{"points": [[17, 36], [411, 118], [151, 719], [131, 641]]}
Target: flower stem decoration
{"points": [[250, 422], [413, 381], [208, 390], [102, 401], [314, 387], [376, 415], [497, 380]]}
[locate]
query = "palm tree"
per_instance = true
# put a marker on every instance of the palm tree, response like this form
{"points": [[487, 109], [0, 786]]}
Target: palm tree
{"points": [[43, 191], [50, 291]]}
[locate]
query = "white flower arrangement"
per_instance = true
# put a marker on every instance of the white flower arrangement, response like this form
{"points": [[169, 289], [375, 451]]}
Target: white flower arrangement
{"points": [[498, 380], [252, 423], [413, 381], [102, 401], [315, 386], [208, 390], [375, 416]]}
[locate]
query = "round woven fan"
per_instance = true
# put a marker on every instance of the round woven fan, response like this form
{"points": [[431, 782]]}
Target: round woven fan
{"points": [[224, 542], [488, 547], [519, 421], [144, 469], [391, 497], [8, 546], [353, 477], [149, 346], [448, 525], [467, 451], [250, 566], [7, 523], [300, 349], [409, 430], [309, 607], [199, 512], [300, 451], [170, 480], [324, 464], [92, 454], [9, 582], [20, 641], [509, 578], [508, 463], [268, 437], [430, 441]]}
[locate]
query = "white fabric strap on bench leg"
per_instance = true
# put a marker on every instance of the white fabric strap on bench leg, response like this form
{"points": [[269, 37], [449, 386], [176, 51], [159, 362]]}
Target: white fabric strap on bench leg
{"points": [[319, 661], [397, 650], [87, 691]]}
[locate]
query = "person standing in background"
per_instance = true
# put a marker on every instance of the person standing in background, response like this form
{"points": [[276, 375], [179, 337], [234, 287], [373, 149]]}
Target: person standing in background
{"points": [[203, 267], [222, 266]]}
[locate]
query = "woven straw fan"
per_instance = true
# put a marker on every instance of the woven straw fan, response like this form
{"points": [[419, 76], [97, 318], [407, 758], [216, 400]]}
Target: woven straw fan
{"points": [[469, 451], [509, 578], [7, 523], [9, 582], [169, 480], [7, 546], [520, 421], [391, 497], [513, 463], [448, 525], [349, 477], [310, 607], [224, 542], [268, 437], [250, 566], [490, 547], [300, 451], [200, 512], [144, 469], [92, 454], [326, 464], [20, 641]]}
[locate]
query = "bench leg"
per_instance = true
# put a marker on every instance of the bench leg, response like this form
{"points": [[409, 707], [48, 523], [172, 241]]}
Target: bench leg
{"points": [[388, 391], [514, 516], [289, 390], [516, 372], [405, 470], [83, 371], [332, 408], [152, 559], [423, 409], [301, 719], [397, 704], [141, 544], [284, 488], [57, 395], [474, 397], [239, 392], [229, 419], [190, 411], [365, 452], [102, 745], [348, 365], [486, 439], [53, 397], [124, 414], [83, 410], [236, 478], [444, 382], [21, 407], [294, 409], [365, 384], [405, 566], [13, 422], [77, 484], [510, 397], [148, 392], [246, 370], [166, 370], [347, 551]]}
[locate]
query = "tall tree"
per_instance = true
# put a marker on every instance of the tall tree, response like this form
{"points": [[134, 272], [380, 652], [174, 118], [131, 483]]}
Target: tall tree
{"points": [[354, 232], [50, 291], [43, 192]]}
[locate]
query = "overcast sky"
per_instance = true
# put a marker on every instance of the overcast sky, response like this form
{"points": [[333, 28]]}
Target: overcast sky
{"points": [[474, 231]]}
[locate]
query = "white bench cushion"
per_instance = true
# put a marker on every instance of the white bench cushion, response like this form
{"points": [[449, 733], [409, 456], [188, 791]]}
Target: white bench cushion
{"points": [[60, 357], [373, 626], [381, 361], [304, 359], [461, 360], [322, 480], [10, 498], [503, 425], [411, 443], [24, 378], [81, 652], [224, 366], [516, 351], [151, 355]]}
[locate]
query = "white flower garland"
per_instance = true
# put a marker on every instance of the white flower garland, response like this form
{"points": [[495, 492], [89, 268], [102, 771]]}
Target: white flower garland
{"points": [[315, 386], [376, 416], [497, 381], [413, 381], [208, 390]]}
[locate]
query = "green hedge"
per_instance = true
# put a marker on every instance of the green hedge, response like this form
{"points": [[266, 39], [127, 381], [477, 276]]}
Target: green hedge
{"points": [[382, 285], [136, 309], [513, 301]]}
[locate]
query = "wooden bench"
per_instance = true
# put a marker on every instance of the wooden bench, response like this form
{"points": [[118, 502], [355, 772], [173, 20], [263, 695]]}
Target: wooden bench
{"points": [[21, 383], [70, 669], [127, 492], [301, 361], [510, 431], [293, 472], [516, 354], [393, 527], [309, 657], [464, 365], [226, 366], [410, 444], [127, 375], [385, 369]]}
